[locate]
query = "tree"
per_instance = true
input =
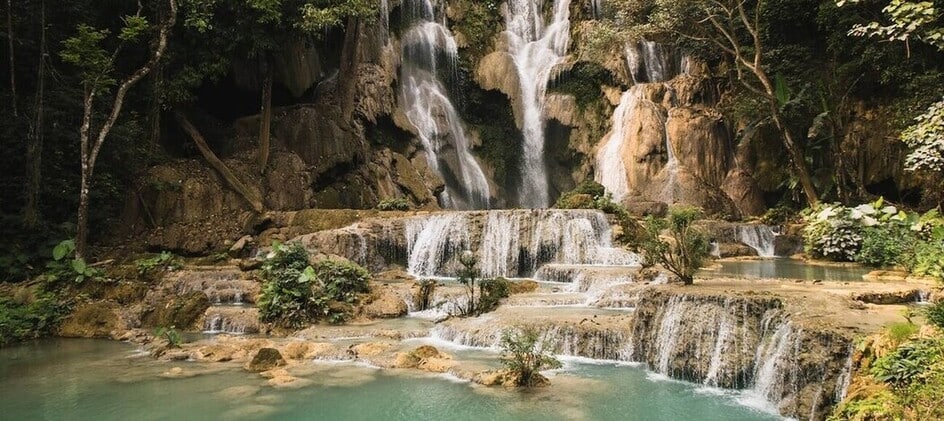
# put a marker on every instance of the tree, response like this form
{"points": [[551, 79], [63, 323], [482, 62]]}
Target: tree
{"points": [[926, 140], [687, 249], [907, 20], [97, 70], [525, 352]]}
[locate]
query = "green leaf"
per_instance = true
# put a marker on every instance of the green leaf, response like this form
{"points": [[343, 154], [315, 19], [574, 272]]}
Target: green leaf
{"points": [[79, 266], [62, 249]]}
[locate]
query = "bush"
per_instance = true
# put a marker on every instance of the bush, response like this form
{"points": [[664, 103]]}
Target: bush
{"points": [[929, 255], [342, 280], [689, 246], [901, 332], [66, 266], [491, 291], [295, 293], [885, 245], [394, 204], [525, 352], [906, 364], [28, 315], [934, 313]]}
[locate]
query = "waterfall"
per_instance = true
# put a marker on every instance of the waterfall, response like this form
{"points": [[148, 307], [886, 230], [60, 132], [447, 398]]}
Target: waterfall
{"points": [[651, 62], [231, 319], [758, 237], [536, 49], [670, 188], [432, 240], [773, 362], [511, 243], [722, 343], [842, 382], [427, 106], [669, 333], [610, 168]]}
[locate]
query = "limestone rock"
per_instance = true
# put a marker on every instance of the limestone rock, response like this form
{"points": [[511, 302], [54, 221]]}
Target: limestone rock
{"points": [[91, 320], [522, 287], [385, 304], [887, 297], [266, 359]]}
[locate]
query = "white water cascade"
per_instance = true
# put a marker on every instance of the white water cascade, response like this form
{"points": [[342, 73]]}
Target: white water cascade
{"points": [[536, 48], [511, 243], [611, 169], [427, 106], [758, 237]]}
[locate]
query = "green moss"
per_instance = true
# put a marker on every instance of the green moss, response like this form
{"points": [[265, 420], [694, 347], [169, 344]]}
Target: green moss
{"points": [[583, 82], [479, 22], [28, 314]]}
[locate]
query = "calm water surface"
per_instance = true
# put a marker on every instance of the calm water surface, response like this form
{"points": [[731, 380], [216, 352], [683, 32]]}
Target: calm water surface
{"points": [[103, 380]]}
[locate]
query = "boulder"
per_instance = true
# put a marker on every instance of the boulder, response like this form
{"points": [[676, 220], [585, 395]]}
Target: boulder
{"points": [[641, 208], [385, 304], [266, 359]]}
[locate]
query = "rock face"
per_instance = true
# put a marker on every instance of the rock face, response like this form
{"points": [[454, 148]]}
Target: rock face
{"points": [[183, 312], [92, 320]]}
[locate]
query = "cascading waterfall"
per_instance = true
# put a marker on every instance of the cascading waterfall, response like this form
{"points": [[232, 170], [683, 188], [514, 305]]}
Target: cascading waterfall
{"points": [[648, 62], [758, 237], [431, 241], [427, 106], [611, 169], [536, 49], [669, 333], [725, 337], [511, 243], [670, 188]]}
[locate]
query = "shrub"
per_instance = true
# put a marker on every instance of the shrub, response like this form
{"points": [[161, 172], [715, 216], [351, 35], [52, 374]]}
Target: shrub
{"points": [[525, 352], [287, 297], [934, 313], [929, 255], [884, 245], [28, 315], [394, 204], [341, 280], [66, 266], [171, 335], [687, 251], [906, 364], [778, 215], [491, 291], [295, 293], [901, 332]]}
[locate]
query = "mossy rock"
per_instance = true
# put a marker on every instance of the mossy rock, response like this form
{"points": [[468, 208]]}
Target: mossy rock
{"points": [[266, 359], [181, 312], [91, 320]]}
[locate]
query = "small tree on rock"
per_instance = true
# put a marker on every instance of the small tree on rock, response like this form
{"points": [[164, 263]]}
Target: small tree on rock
{"points": [[525, 352], [686, 248]]}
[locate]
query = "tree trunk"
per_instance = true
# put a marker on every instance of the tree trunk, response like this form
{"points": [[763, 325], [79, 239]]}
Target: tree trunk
{"points": [[34, 146], [265, 116], [156, 85], [81, 233], [217, 164], [799, 159], [347, 79], [90, 147], [12, 58]]}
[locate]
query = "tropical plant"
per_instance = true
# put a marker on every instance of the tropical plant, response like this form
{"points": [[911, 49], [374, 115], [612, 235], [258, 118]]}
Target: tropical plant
{"points": [[525, 352], [171, 335], [906, 364], [66, 264], [295, 293], [926, 140], [287, 297], [934, 313], [687, 247]]}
